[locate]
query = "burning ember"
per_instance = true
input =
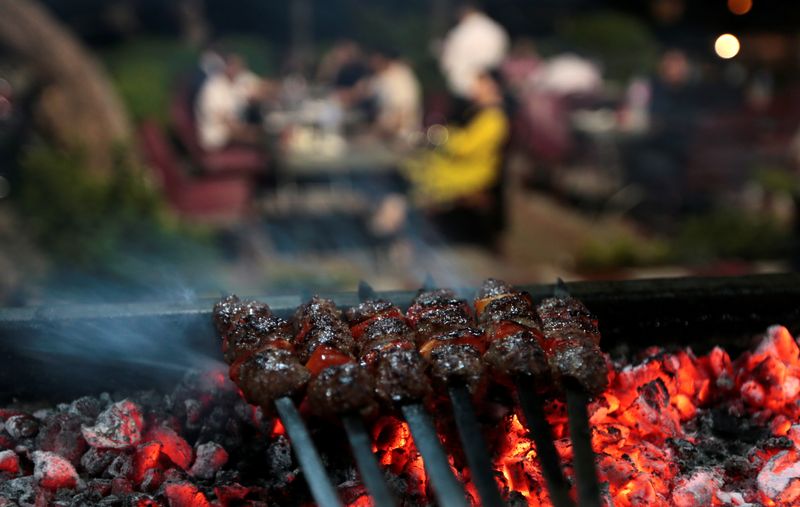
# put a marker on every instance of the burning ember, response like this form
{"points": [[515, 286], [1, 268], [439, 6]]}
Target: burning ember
{"points": [[672, 430]]}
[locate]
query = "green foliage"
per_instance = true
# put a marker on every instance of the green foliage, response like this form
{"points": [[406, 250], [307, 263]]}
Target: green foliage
{"points": [[145, 71], [77, 217], [622, 42], [404, 30], [257, 51], [730, 234], [722, 234], [622, 250], [776, 179]]}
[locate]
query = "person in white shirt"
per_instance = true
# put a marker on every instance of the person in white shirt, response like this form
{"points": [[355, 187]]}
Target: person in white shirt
{"points": [[221, 105], [397, 95], [477, 43]]}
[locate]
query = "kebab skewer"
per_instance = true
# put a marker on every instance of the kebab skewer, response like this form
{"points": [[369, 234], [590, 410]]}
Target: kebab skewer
{"points": [[453, 347], [514, 337], [266, 359], [387, 349], [257, 346], [571, 342]]}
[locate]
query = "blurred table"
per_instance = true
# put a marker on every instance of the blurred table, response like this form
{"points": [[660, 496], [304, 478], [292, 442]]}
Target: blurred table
{"points": [[353, 160]]}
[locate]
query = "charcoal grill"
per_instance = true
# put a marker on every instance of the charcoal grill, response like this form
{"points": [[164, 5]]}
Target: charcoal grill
{"points": [[43, 356]]}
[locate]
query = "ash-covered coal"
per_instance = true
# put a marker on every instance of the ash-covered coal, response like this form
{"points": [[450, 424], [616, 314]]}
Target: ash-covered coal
{"points": [[674, 429], [200, 445]]}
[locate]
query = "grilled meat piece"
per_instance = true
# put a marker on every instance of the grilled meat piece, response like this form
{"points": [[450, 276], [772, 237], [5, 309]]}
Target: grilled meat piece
{"points": [[253, 337], [567, 315], [270, 374], [456, 362], [339, 389], [517, 353], [368, 310], [516, 307], [445, 337], [324, 343], [313, 308], [440, 320], [425, 301], [232, 313], [381, 331], [512, 329], [399, 375], [572, 341], [386, 348], [576, 357], [324, 329], [493, 287]]}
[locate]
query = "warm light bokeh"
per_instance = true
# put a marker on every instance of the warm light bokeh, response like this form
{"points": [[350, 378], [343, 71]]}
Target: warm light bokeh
{"points": [[740, 7], [727, 46]]}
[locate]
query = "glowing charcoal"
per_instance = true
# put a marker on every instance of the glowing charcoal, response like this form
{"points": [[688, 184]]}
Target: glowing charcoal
{"points": [[779, 480], [146, 458], [185, 494], [9, 462], [210, 458], [51, 471], [118, 427], [698, 490], [172, 445], [229, 494]]}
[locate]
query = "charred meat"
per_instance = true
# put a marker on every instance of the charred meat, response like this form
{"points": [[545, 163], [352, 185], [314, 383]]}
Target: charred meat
{"points": [[572, 343], [386, 348], [258, 347], [512, 331], [339, 384], [270, 374], [446, 338]]}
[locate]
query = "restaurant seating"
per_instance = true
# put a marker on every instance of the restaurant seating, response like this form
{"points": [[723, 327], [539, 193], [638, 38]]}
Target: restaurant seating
{"points": [[236, 159], [212, 197]]}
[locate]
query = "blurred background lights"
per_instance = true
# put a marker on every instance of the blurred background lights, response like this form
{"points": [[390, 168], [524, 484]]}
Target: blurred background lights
{"points": [[740, 7], [727, 46]]}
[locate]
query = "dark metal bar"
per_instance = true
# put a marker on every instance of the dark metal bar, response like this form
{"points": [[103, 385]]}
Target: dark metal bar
{"points": [[448, 491], [581, 437], [371, 474], [561, 290], [365, 291], [533, 410], [310, 463], [580, 433], [670, 312], [480, 465]]}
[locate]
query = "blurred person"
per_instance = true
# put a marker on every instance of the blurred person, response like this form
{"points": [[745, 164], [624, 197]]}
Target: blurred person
{"points": [[397, 95], [457, 183], [225, 106], [476, 44], [343, 54], [210, 63], [660, 160], [522, 65]]}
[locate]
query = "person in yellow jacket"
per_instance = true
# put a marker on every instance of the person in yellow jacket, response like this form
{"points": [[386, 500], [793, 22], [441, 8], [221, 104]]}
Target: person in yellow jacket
{"points": [[469, 159], [454, 180]]}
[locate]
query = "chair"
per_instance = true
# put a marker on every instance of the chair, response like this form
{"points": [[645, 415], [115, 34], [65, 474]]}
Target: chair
{"points": [[208, 198], [237, 159]]}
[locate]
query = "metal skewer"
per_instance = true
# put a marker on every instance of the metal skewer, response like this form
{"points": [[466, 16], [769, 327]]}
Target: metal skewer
{"points": [[480, 465], [579, 431], [447, 489], [317, 479], [469, 431], [371, 474], [581, 436], [533, 409]]}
